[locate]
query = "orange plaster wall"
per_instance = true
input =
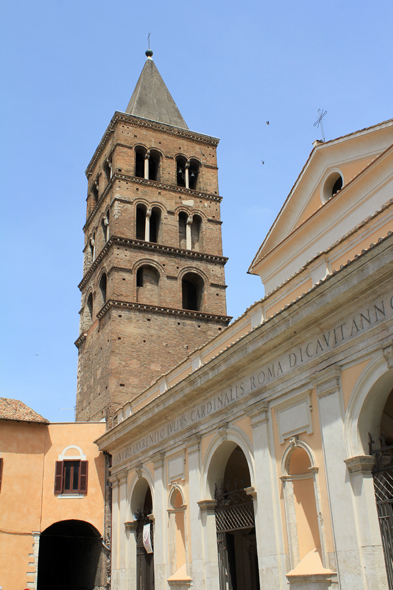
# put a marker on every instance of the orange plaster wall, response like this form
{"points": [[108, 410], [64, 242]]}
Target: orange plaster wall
{"points": [[15, 551], [89, 508], [245, 425], [349, 378], [22, 449], [303, 288], [315, 442], [372, 239]]}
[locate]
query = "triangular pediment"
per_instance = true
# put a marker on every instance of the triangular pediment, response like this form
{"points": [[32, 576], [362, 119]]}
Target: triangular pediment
{"points": [[348, 157], [152, 100]]}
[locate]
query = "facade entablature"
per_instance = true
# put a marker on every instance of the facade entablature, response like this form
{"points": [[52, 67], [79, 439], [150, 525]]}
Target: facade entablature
{"points": [[281, 329], [348, 209], [325, 263], [187, 192]]}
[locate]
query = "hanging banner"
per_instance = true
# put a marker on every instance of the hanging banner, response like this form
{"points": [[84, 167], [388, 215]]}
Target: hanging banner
{"points": [[146, 538]]}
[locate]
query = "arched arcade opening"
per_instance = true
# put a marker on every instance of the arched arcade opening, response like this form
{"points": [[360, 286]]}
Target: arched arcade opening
{"points": [[71, 557], [229, 481]]}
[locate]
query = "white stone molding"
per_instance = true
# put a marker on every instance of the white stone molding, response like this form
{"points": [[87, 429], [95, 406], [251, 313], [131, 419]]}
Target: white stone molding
{"points": [[350, 569], [33, 561], [161, 572], [327, 381], [360, 464], [193, 445], [289, 500], [222, 431], [138, 470], [77, 456], [137, 491], [266, 500]]}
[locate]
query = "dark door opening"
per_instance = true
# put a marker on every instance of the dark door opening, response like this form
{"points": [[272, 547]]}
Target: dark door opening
{"points": [[70, 557]]}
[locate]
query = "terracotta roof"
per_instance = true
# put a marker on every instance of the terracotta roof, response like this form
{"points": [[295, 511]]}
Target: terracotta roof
{"points": [[13, 409]]}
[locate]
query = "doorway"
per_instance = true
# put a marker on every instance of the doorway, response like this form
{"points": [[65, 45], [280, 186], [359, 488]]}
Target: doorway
{"points": [[235, 527], [69, 557]]}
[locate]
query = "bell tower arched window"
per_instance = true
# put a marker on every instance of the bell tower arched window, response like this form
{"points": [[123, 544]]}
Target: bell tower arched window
{"points": [[154, 164], [181, 171], [155, 225], [196, 233], [140, 162], [103, 288], [147, 283], [140, 222], [192, 291], [193, 174]]}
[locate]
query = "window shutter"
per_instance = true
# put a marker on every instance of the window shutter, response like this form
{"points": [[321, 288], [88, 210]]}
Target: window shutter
{"points": [[59, 477], [83, 477], [1, 471]]}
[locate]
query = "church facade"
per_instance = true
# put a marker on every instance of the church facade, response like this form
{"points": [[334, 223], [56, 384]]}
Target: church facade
{"points": [[254, 455]]}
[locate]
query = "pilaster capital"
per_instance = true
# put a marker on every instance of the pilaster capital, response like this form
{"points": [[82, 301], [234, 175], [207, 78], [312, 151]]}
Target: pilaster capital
{"points": [[222, 431], [327, 381], [251, 491], [122, 478], [207, 506], [360, 464], [193, 443], [131, 525], [158, 460], [387, 351], [258, 413], [113, 480]]}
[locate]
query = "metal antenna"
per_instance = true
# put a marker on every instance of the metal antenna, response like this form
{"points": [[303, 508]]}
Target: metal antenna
{"points": [[148, 40], [318, 122]]}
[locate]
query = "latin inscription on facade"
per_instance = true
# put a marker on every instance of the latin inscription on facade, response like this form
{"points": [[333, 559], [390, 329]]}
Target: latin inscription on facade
{"points": [[284, 364]]}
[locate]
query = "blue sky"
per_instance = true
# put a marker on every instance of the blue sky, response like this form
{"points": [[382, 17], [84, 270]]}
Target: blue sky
{"points": [[66, 66]]}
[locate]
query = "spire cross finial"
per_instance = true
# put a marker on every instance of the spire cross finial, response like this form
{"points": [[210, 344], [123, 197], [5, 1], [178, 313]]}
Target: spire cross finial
{"points": [[148, 40], [318, 122]]}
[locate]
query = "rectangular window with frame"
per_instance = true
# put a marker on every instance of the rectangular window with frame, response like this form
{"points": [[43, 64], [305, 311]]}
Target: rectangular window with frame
{"points": [[1, 471], [71, 477]]}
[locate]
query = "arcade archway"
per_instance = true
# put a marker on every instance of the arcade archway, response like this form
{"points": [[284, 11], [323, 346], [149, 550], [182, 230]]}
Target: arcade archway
{"points": [[234, 515]]}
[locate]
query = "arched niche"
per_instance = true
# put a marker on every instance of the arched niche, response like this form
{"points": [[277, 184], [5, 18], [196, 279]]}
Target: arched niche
{"points": [[303, 512], [178, 541], [192, 291], [147, 285]]}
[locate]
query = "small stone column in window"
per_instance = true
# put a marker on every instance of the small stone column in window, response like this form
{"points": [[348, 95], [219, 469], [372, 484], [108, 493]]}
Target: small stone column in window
{"points": [[187, 175], [147, 225], [188, 233], [146, 168]]}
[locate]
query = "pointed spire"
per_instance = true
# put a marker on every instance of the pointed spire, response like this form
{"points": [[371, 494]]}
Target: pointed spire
{"points": [[151, 98]]}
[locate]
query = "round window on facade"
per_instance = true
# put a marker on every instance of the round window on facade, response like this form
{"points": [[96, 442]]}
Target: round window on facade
{"points": [[332, 185]]}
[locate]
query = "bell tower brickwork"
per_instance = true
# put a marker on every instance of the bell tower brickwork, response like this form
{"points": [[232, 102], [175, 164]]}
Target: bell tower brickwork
{"points": [[153, 286]]}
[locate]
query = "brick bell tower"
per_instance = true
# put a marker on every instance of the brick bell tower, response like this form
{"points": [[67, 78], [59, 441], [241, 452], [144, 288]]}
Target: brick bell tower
{"points": [[153, 286]]}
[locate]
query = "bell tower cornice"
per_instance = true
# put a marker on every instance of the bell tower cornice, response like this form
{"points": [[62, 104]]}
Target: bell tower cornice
{"points": [[133, 121], [158, 185]]}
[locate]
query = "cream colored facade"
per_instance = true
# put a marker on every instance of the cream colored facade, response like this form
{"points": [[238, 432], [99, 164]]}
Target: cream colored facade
{"points": [[29, 506], [284, 399]]}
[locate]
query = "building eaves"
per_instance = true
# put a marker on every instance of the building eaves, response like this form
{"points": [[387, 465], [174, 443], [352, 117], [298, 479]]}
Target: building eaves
{"points": [[14, 409], [277, 313]]}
